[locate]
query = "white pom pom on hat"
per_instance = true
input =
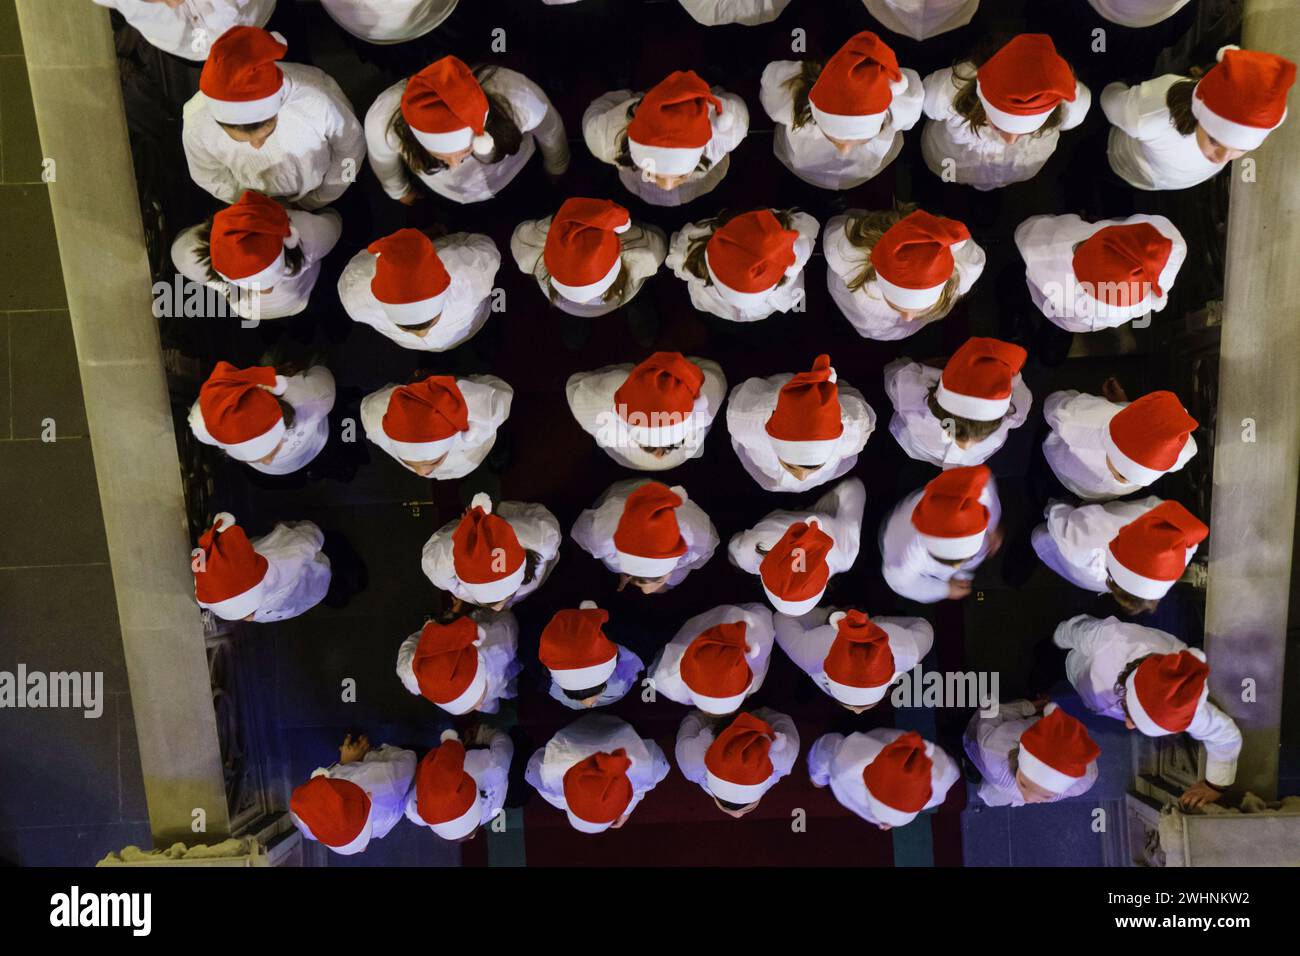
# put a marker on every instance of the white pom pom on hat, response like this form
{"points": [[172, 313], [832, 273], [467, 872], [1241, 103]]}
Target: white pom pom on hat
{"points": [[447, 735], [483, 144], [482, 500]]}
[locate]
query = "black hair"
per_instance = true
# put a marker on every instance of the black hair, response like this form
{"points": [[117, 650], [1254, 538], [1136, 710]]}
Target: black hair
{"points": [[623, 152], [587, 692], [964, 429], [293, 257]]}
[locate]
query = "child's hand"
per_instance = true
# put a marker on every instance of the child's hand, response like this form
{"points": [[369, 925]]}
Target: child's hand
{"points": [[1113, 391], [411, 198], [1198, 795], [958, 588], [994, 537], [352, 751]]}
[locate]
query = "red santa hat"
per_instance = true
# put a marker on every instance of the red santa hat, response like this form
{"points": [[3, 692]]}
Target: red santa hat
{"points": [[1148, 437], [648, 542], [240, 80], [660, 399], [446, 109], [248, 239], [807, 422], [715, 668], [575, 650], [737, 765], [795, 572], [749, 256], [913, 259], [898, 780], [486, 553], [1056, 751], [423, 420], [597, 790], [859, 666], [1119, 267], [950, 517], [855, 88], [1164, 692], [672, 125], [230, 578], [446, 797], [1148, 556], [1023, 83], [1242, 98], [448, 667], [583, 252], [240, 411], [335, 812], [978, 380], [410, 281]]}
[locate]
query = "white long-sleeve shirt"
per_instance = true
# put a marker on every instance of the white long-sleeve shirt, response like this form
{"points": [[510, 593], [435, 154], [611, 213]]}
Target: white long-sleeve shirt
{"points": [[697, 733], [1137, 13], [1047, 245], [1100, 650], [643, 248], [838, 760], [490, 768], [788, 294], [752, 403], [311, 394], [666, 670], [750, 13], [807, 152], [471, 261], [385, 774], [498, 653], [910, 569], [472, 180], [627, 669], [388, 21], [190, 29], [908, 385], [1072, 542], [604, 127], [981, 158], [807, 640], [595, 527], [297, 571], [310, 159], [838, 513], [487, 402], [591, 400], [534, 526], [318, 232], [922, 19], [1144, 149], [1076, 449], [590, 734], [993, 745], [865, 307]]}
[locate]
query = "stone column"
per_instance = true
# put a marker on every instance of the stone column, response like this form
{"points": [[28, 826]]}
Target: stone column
{"points": [[1257, 446], [77, 96]]}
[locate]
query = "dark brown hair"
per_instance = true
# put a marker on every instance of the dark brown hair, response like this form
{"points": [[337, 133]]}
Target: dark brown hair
{"points": [[1130, 604], [501, 125], [963, 429], [1178, 99], [623, 152], [615, 293], [293, 257], [966, 101], [693, 261]]}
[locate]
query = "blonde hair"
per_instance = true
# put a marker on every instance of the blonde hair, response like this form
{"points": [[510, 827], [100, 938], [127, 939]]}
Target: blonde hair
{"points": [[864, 231]]}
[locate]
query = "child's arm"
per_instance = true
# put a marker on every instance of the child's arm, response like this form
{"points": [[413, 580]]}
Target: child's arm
{"points": [[385, 160], [347, 143]]}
